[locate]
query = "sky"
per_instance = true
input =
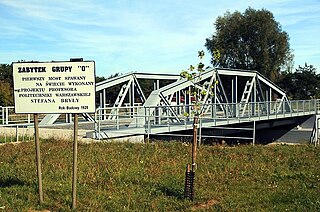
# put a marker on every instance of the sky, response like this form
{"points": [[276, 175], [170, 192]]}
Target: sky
{"points": [[146, 36]]}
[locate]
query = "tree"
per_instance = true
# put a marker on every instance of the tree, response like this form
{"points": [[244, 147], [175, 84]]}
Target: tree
{"points": [[198, 92], [302, 84], [6, 94], [252, 40], [6, 73], [100, 79], [6, 85]]}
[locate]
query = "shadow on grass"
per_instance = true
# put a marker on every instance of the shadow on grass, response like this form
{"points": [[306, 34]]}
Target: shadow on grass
{"points": [[171, 191], [11, 181]]}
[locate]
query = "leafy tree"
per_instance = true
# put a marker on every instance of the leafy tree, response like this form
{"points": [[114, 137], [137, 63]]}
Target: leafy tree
{"points": [[253, 40], [6, 73], [302, 84], [193, 75], [6, 85], [6, 94], [100, 79]]}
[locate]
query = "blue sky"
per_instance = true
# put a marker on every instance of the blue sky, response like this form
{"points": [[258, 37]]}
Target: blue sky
{"points": [[139, 35]]}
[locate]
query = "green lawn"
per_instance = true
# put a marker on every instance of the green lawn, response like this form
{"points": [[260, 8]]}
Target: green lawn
{"points": [[150, 177]]}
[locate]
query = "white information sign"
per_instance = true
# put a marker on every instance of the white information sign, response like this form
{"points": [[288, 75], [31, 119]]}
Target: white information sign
{"points": [[54, 87]]}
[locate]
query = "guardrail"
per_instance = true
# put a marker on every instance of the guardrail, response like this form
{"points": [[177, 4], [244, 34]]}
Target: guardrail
{"points": [[169, 116], [8, 116]]}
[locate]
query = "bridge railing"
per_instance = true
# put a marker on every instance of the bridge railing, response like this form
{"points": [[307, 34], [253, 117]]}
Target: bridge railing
{"points": [[140, 116], [9, 117], [170, 116]]}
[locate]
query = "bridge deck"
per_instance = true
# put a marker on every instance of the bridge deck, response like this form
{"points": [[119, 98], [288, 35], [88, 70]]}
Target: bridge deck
{"points": [[156, 125]]}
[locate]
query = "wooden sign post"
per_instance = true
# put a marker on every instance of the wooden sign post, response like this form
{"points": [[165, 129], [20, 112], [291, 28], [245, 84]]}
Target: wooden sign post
{"points": [[38, 157], [75, 155]]}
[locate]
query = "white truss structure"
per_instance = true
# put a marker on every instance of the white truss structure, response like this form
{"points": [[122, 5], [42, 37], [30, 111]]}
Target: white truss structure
{"points": [[244, 87], [255, 88]]}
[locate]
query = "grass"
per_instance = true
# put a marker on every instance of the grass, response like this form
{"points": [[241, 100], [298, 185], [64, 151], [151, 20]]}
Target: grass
{"points": [[150, 177]]}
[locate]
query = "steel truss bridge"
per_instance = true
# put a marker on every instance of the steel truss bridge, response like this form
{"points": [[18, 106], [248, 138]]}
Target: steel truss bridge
{"points": [[232, 97]]}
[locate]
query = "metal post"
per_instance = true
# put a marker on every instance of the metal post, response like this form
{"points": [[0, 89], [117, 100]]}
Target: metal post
{"points": [[254, 105], [101, 102], [7, 115], [227, 112], [149, 127], [132, 99], [117, 120], [145, 117], [75, 153], [37, 144], [284, 107], [95, 122], [254, 133], [99, 123], [268, 103], [232, 97], [130, 94], [159, 111], [238, 111], [150, 114], [186, 108], [17, 133], [130, 91], [236, 97], [155, 116], [215, 94], [249, 110], [2, 115], [316, 131], [270, 94], [104, 103], [178, 100], [268, 109]]}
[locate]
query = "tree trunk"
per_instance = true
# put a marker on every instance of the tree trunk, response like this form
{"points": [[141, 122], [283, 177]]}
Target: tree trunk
{"points": [[194, 143]]}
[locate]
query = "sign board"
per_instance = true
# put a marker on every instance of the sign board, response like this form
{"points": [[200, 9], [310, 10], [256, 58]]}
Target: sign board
{"points": [[54, 87]]}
